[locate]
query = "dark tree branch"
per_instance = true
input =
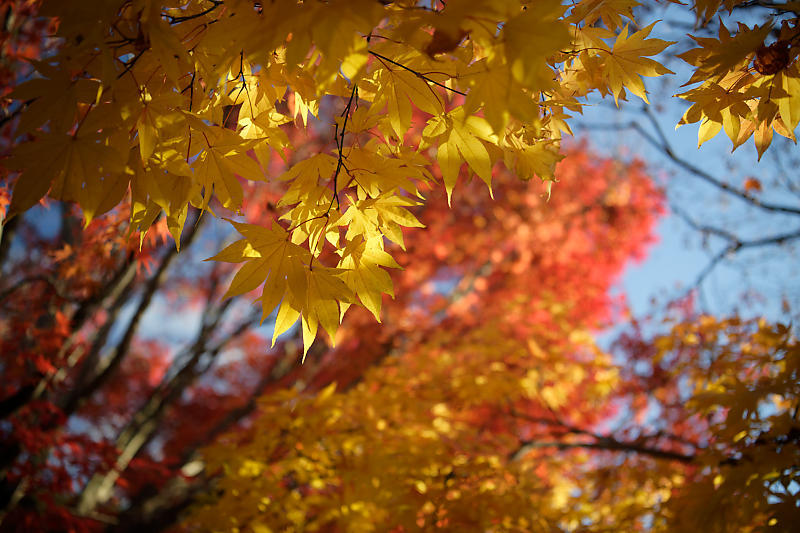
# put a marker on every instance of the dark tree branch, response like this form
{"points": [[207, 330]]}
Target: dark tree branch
{"points": [[115, 290], [279, 370], [33, 279], [734, 243], [162, 511], [8, 116], [119, 288], [139, 431], [417, 74], [664, 147], [17, 400], [7, 230], [156, 511], [667, 149], [775, 6], [99, 371], [177, 20], [599, 442], [606, 444]]}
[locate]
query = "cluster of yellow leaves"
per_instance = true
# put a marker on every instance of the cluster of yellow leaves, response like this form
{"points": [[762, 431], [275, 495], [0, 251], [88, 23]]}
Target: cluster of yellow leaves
{"points": [[745, 380], [423, 442], [178, 101], [747, 81], [413, 445]]}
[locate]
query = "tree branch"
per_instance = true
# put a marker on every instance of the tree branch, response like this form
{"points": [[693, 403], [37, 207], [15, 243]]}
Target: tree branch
{"points": [[664, 147], [158, 511], [606, 444], [139, 431], [598, 442], [7, 230], [735, 244], [176, 20], [417, 74]]}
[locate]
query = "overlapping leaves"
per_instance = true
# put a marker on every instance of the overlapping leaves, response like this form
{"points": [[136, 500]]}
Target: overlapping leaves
{"points": [[179, 101]]}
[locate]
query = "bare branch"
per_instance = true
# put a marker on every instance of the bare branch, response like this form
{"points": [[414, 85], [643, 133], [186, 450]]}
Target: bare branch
{"points": [[664, 147], [417, 74], [176, 20], [141, 429], [599, 442], [606, 444], [7, 230], [734, 243]]}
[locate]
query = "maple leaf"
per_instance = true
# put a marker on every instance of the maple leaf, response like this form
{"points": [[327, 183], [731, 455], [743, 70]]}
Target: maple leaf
{"points": [[609, 11], [305, 176], [53, 99], [164, 42], [787, 96], [752, 185], [168, 185], [188, 102], [218, 165], [80, 169], [627, 61], [460, 140], [530, 38], [716, 106], [528, 160], [717, 57], [291, 284], [158, 113], [376, 173], [381, 216], [706, 9], [320, 297], [400, 89], [494, 89], [361, 262]]}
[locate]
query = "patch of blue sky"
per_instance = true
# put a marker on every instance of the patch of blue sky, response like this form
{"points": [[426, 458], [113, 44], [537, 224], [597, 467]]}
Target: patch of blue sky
{"points": [[756, 281]]}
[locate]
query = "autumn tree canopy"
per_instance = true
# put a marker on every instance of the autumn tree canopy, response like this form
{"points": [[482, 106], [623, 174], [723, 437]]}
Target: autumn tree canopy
{"points": [[323, 132], [419, 444], [121, 416], [178, 102]]}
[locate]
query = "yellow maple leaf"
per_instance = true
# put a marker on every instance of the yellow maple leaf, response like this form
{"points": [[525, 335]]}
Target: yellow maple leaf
{"points": [[494, 89], [627, 62], [609, 11], [80, 169], [530, 38], [717, 57], [788, 95], [361, 262], [399, 89], [223, 158], [461, 140]]}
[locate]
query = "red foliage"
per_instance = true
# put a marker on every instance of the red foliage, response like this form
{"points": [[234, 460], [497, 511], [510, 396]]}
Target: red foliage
{"points": [[193, 364]]}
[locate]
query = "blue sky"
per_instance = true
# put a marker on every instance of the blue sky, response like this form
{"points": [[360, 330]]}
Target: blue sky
{"points": [[751, 283]]}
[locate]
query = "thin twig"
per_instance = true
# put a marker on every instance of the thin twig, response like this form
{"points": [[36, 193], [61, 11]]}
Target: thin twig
{"points": [[666, 148], [607, 445], [735, 244], [599, 442], [176, 20], [417, 74]]}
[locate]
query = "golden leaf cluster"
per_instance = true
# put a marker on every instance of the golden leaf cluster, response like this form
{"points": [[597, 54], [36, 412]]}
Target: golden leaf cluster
{"points": [[747, 81], [428, 440], [177, 102]]}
